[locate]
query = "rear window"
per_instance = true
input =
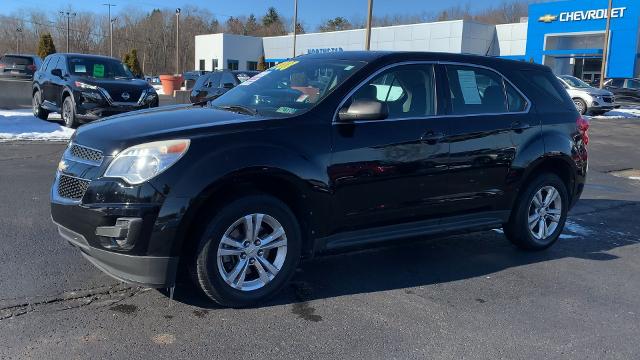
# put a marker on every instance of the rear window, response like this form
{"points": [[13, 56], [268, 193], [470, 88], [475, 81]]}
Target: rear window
{"points": [[16, 60]]}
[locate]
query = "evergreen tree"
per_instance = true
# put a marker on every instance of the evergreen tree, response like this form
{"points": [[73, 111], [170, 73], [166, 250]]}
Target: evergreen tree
{"points": [[46, 46], [271, 17], [262, 66], [132, 62]]}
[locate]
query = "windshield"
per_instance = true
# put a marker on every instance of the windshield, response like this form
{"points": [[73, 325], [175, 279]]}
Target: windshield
{"points": [[633, 84], [289, 88], [101, 68], [575, 82]]}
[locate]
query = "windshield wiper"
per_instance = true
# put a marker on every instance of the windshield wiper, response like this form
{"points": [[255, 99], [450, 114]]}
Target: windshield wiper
{"points": [[239, 109]]}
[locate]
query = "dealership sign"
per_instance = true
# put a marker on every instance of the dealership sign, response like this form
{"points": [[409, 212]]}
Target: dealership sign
{"points": [[324, 50], [582, 15]]}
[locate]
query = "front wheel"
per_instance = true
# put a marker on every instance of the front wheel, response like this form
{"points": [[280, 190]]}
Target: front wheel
{"points": [[540, 213], [581, 105], [247, 251]]}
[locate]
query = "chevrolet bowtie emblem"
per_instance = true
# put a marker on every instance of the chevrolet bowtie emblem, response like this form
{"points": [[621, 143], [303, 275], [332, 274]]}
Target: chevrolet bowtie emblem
{"points": [[548, 18]]}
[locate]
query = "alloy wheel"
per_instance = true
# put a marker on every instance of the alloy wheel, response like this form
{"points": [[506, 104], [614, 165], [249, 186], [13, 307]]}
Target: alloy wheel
{"points": [[35, 103], [545, 212], [67, 113], [251, 252]]}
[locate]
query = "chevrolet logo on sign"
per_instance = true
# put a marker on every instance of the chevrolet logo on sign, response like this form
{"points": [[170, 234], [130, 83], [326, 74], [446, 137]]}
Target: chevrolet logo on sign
{"points": [[548, 18]]}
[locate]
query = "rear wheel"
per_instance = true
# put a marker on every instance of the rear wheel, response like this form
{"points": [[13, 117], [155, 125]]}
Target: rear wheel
{"points": [[69, 113], [539, 215], [581, 105], [36, 103], [248, 251]]}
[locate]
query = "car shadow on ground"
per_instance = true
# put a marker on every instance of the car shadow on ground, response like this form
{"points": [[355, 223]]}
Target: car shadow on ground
{"points": [[421, 262]]}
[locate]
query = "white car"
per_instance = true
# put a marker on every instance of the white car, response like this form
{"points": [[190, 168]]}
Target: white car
{"points": [[588, 99]]}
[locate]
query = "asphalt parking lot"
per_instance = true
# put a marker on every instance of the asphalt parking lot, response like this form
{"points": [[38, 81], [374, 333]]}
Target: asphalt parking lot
{"points": [[469, 296]]}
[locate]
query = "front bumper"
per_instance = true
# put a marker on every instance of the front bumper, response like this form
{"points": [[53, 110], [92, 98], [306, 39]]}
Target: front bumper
{"points": [[94, 105], [150, 271]]}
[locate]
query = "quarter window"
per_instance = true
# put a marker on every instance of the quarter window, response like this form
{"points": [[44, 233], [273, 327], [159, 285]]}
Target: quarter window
{"points": [[475, 91], [515, 101], [407, 90]]}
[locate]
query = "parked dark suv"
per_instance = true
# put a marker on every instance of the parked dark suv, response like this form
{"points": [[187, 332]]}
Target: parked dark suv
{"points": [[627, 91], [210, 86], [323, 152], [19, 66], [87, 87]]}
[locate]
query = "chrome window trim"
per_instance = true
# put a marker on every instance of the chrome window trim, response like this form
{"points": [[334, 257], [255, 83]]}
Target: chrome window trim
{"points": [[418, 62]]}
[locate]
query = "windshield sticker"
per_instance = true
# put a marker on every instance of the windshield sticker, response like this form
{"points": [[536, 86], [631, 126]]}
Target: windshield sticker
{"points": [[98, 70], [286, 110], [254, 78], [79, 69], [284, 65]]}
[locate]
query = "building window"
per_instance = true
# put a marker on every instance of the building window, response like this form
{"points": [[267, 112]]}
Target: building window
{"points": [[270, 64], [201, 65], [232, 64], [214, 64], [252, 65]]}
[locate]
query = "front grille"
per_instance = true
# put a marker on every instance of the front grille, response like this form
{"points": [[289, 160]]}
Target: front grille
{"points": [[134, 95], [608, 99], [71, 187], [86, 154]]}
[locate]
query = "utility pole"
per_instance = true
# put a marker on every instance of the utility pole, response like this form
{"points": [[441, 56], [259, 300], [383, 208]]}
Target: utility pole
{"points": [[18, 35], [68, 15], [367, 43], [605, 50], [177, 41], [109, 5], [295, 25]]}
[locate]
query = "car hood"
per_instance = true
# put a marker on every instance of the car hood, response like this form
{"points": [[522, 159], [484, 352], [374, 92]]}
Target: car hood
{"points": [[116, 133]]}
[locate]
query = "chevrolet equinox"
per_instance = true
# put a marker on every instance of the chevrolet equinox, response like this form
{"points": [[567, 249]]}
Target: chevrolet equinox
{"points": [[322, 152]]}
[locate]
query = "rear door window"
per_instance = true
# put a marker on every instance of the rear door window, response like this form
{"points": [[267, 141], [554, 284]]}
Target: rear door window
{"points": [[475, 91]]}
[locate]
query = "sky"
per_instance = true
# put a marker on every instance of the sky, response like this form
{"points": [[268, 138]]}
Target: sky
{"points": [[310, 12]]}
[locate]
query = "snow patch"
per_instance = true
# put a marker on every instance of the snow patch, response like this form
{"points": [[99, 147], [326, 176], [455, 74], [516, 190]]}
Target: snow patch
{"points": [[576, 229], [629, 113], [22, 125]]}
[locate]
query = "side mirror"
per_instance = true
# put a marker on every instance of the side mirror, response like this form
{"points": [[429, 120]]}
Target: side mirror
{"points": [[228, 85], [56, 72], [364, 110]]}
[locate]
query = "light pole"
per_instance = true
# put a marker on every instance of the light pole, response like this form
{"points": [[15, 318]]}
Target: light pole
{"points": [[605, 50], [295, 25], [109, 5], [69, 15], [177, 41], [111, 22], [367, 41], [18, 35]]}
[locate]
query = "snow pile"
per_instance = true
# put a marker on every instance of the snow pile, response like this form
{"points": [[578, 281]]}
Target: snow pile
{"points": [[620, 114], [22, 125]]}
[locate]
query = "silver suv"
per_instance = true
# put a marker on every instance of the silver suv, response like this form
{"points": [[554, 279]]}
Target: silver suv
{"points": [[587, 98]]}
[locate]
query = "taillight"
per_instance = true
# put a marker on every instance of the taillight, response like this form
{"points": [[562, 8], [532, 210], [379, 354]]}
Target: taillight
{"points": [[31, 67], [2, 66], [583, 128]]}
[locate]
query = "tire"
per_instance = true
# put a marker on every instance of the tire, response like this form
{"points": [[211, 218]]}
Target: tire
{"points": [[36, 105], [69, 113], [257, 285], [598, 113], [581, 105], [518, 229]]}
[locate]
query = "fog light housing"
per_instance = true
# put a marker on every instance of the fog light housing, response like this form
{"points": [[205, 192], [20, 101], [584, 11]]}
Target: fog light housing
{"points": [[121, 236]]}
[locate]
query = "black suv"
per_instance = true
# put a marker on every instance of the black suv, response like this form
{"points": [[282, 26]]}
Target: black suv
{"points": [[627, 91], [19, 66], [87, 87], [323, 152], [210, 86]]}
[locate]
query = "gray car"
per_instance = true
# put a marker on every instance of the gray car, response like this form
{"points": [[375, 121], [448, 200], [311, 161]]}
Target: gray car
{"points": [[588, 99]]}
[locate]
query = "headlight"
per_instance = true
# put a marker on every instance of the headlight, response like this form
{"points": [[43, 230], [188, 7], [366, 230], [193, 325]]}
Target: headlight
{"points": [[140, 163], [82, 85]]}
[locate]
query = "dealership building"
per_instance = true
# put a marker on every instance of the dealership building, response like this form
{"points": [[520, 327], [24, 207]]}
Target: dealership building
{"points": [[568, 36]]}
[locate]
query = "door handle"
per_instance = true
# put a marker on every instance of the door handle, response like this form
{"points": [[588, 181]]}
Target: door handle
{"points": [[432, 137], [519, 126]]}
